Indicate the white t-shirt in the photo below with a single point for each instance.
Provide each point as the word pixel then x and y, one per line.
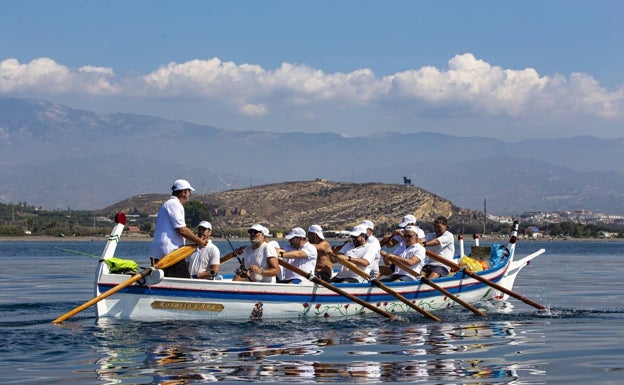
pixel 166 238
pixel 445 249
pixel 203 258
pixel 259 257
pixel 362 251
pixel 408 252
pixel 374 244
pixel 306 264
pixel 276 246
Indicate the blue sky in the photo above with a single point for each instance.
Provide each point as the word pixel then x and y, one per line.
pixel 509 70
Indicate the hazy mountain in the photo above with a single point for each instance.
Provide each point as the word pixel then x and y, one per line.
pixel 58 157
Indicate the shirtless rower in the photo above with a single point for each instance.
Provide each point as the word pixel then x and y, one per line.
pixel 324 265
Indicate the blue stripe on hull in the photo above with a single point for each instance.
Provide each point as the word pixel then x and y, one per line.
pixel 421 291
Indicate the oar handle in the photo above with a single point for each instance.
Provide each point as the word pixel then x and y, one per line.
pixel 379 284
pixel 481 279
pixel 333 288
pixel 232 254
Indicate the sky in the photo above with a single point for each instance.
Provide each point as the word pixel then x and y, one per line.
pixel 500 69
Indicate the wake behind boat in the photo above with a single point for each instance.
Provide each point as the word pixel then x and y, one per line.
pixel 152 297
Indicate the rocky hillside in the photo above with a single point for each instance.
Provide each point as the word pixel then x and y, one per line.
pixel 333 205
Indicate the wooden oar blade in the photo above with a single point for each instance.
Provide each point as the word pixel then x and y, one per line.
pixel 100 297
pixel 175 256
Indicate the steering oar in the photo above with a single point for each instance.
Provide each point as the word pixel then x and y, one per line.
pixel 166 261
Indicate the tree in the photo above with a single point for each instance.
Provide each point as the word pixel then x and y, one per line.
pixel 195 212
pixel 555 229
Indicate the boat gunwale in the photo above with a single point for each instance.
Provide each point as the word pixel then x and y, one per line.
pixel 223 289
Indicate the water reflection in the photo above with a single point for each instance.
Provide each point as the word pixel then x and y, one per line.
pixel 308 352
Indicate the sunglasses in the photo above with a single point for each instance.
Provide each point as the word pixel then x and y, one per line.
pixel 253 232
pixel 409 236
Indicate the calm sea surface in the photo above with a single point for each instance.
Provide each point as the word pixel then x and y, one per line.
pixel 579 341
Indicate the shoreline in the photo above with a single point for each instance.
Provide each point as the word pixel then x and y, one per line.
pixel 140 238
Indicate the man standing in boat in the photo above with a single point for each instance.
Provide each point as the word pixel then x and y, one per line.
pixel 171 230
pixel 442 243
pixel 260 260
pixel 299 253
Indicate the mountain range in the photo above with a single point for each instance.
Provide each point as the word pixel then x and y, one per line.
pixel 57 157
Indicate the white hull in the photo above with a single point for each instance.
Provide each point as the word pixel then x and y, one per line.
pixel 190 299
pixel 193 299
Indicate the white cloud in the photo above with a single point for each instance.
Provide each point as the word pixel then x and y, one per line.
pixel 474 85
pixel 40 74
pixel 97 70
pixel 253 109
pixel 469 86
pixel 44 76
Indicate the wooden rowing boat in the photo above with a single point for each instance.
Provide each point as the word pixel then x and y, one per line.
pixel 157 298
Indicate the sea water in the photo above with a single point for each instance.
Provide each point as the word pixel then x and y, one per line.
pixel 579 340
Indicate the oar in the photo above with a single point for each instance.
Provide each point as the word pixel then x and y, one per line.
pixel 479 278
pixel 167 261
pixel 405 266
pixel 336 290
pixel 351 266
pixel 234 253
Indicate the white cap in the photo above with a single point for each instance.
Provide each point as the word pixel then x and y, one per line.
pixel 296 232
pixel 258 227
pixel 265 231
pixel 417 230
pixel 409 218
pixel 205 225
pixel 181 184
pixel 316 229
pixel 368 224
pixel 357 231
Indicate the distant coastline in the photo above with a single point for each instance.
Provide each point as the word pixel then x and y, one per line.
pixel 44 238
pixel 134 238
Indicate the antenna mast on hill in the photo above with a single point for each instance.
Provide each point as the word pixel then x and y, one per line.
pixel 484 214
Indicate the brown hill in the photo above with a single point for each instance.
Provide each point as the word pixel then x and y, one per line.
pixel 333 205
